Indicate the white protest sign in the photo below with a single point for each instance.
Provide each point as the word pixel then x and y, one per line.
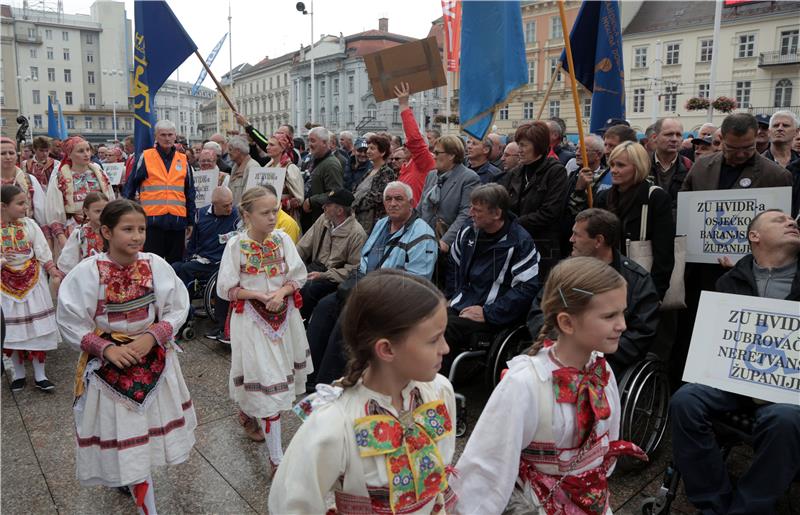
pixel 266 175
pixel 715 222
pixel 204 183
pixel 746 345
pixel 115 172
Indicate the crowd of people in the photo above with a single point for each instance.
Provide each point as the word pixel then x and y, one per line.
pixel 375 267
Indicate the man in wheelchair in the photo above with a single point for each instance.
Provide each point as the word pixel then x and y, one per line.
pixel 596 234
pixel 214 226
pixel 771 270
pixel 493 272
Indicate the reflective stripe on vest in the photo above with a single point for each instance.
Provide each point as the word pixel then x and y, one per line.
pixel 162 192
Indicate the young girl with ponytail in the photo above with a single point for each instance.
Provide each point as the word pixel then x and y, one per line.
pixel 548 437
pixel 382 438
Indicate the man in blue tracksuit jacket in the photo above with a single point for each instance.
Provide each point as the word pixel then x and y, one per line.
pixel 493 273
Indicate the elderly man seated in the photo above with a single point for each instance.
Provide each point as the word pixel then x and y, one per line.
pixel 214 226
pixel 493 272
pixel 596 234
pixel 399 240
pixel 207 160
pixel 772 270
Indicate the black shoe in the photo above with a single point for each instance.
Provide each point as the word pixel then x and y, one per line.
pixel 45 385
pixel 17 385
pixel 221 338
pixel 214 335
pixel 124 490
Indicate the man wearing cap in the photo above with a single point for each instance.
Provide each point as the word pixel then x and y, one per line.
pixel 703 146
pixel 762 137
pixel 331 248
pixel 357 166
pixel 704 133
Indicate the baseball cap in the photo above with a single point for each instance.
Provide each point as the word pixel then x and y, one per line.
pixel 611 122
pixel 762 119
pixel 360 143
pixel 341 197
pixel 703 141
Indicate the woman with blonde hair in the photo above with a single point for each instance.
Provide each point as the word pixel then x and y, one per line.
pixel 630 191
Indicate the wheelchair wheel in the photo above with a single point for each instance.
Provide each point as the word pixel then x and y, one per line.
pixel 187 333
pixel 209 298
pixel 644 395
pixel 461 420
pixel 508 344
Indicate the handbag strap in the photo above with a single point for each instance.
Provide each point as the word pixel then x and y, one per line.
pixel 321 241
pixel 645 211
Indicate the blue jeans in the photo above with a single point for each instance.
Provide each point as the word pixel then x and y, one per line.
pixel 697 455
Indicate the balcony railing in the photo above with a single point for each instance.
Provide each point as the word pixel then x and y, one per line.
pixel 769 110
pixel 778 57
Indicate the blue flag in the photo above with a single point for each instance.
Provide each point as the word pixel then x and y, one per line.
pixel 159 47
pixel 209 60
pixel 492 61
pixel 596 41
pixel 52 122
pixel 62 124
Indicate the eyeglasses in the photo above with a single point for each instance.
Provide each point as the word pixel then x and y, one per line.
pixel 437 152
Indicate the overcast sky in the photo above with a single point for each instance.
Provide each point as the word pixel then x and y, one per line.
pixel 274 27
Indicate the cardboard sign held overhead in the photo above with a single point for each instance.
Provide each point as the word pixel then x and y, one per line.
pixel 418 63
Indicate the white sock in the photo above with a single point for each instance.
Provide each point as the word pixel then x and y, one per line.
pixel 271 426
pixel 149 497
pixel 19 365
pixel 38 370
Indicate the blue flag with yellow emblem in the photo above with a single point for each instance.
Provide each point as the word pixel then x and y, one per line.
pixel 159 47
pixel 492 61
pixel 596 41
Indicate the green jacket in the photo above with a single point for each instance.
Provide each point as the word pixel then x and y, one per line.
pixel 326 177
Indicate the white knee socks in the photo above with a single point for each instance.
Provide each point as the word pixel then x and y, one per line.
pixel 145 497
pixel 38 369
pixel 19 365
pixel 272 437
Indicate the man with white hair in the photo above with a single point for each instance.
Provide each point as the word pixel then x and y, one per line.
pixel 225 161
pixel 207 161
pixel 326 175
pixel 496 154
pixel 782 130
pixel 163 180
pixel 243 164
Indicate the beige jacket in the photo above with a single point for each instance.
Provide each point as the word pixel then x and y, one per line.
pixel 339 250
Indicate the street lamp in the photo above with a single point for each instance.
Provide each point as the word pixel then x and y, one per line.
pixel 301 7
pixel 112 73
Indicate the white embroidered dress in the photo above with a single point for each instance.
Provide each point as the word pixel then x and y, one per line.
pixel 81 243
pixel 490 465
pixel 270 358
pixel 119 441
pixel 324 454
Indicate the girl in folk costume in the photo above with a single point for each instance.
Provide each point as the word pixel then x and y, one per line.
pixel 27 305
pixel 86 240
pixel 381 440
pixel 261 273
pixel 280 150
pixel 76 177
pixel 557 410
pixel 41 165
pixel 28 183
pixel 122 308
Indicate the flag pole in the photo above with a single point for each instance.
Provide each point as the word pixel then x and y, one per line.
pixel 575 100
pixel 547 94
pixel 214 78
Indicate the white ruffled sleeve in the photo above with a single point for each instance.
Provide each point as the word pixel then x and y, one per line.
pixel 489 466
pixel 172 299
pixel 447 446
pixel 40 247
pixel 54 211
pixel 293 184
pixel 38 201
pixel 228 275
pixel 71 253
pixel 77 302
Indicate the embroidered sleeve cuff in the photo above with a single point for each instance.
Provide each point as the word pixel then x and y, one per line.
pixel 294 284
pixel 94 345
pixel 233 293
pixel 161 331
pixel 52 271
pixel 47 231
pixel 57 229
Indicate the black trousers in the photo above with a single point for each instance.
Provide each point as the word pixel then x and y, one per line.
pixel 320 332
pixel 460 332
pixel 313 292
pixel 169 244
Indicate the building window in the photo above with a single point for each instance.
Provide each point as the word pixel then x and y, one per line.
pixel 670 98
pixel 67 75
pixel 101 123
pixel 706 50
pixel 527 111
pixel 2 100
pixel 66 54
pixel 555 28
pixel 92 99
pixel 90 57
pixel 31 32
pixel 37 121
pixel 372 111
pixel 34 73
pixel 743 93
pixel 128 124
pixel 87 122
pixel 638 100
pixel 783 93
pixel 48 34
pixel 555 67
pixel 322 87
pixel 396 115
pixel 673 55
pixel 555 108
pixel 89 39
pixel 532 72
pixel 51 95
pixel 351 80
pixel 90 78
pixel 746 45
pixel 308 91
pixel 70 122
pixel 51 74
pixel 34 53
pixel 50 53
pixel 640 57
pixel 503 114
pixel 350 114
pixel 530 33
pixel 37 97
pixel 335 86
pixel 587 108
pixel 703 90
pixel 65 35
pixel 335 119
pixel 68 98
pixel 789 41
pixel 2 121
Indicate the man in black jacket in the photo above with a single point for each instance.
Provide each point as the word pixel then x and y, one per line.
pixel 595 234
pixel 771 270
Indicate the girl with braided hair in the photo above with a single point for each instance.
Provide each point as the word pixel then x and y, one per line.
pixel 381 439
pixel 548 437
